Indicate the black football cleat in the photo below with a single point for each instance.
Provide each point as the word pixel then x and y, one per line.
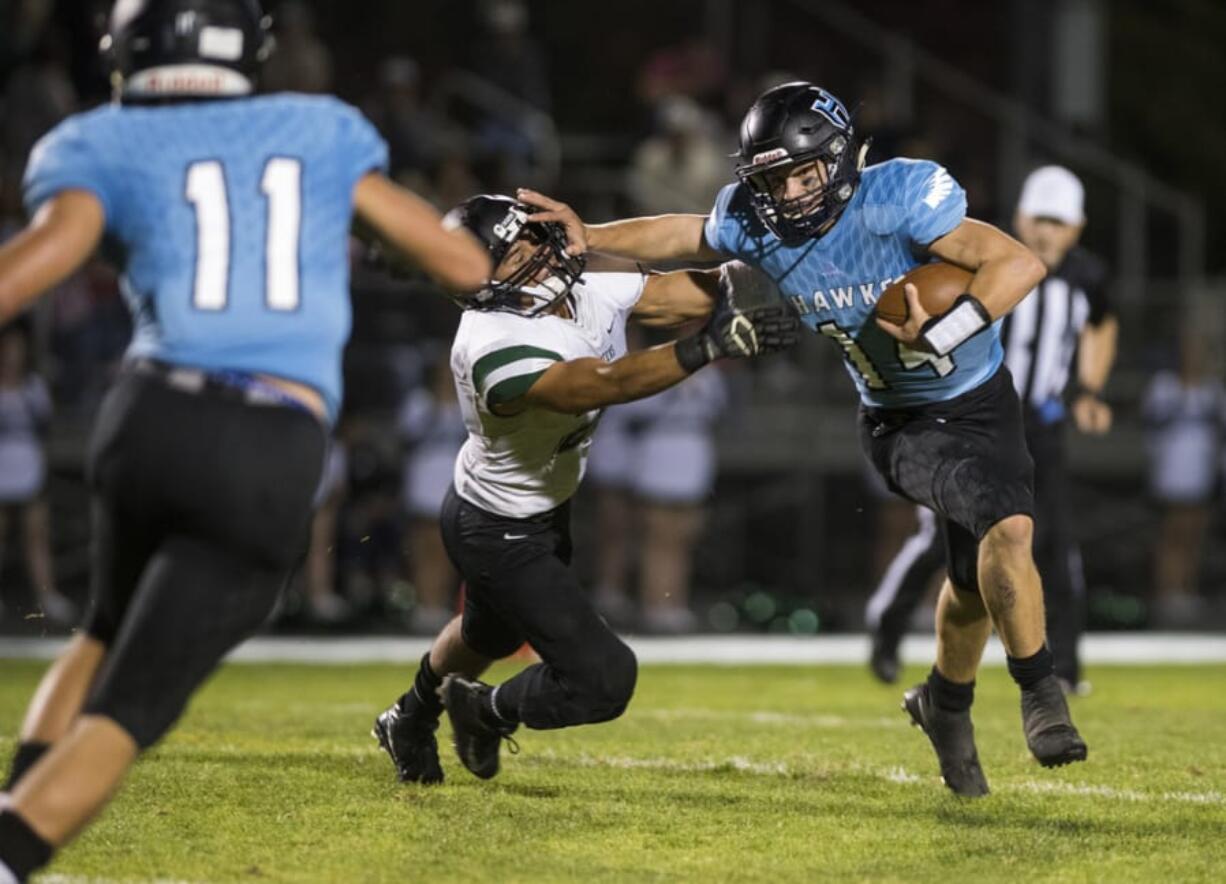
pixel 475 730
pixel 409 740
pixel 953 737
pixel 883 659
pixel 1049 730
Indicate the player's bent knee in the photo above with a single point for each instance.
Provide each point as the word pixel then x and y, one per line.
pixel 618 675
pixel 1012 535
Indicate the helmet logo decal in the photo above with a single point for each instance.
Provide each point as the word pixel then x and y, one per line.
pixel 769 156
pixel 223 44
pixel 185 23
pixel 832 109
pixel 509 227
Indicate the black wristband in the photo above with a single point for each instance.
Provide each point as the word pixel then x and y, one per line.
pixel 1080 389
pixel 691 353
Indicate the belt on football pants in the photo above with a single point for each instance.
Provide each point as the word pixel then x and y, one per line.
pixel 239 386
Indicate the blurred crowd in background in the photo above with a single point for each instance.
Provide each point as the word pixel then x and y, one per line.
pixel 735 501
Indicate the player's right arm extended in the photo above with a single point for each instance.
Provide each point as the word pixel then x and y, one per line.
pixel 411 225
pixel 585 384
pixel 652 239
pixel 65 231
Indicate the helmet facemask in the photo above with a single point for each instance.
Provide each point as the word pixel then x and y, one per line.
pixel 534 285
pixel 813 213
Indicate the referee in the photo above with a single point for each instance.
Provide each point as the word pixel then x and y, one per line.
pixel 1059 346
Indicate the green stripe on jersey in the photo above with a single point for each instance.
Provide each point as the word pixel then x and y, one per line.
pixel 510 389
pixel 498 358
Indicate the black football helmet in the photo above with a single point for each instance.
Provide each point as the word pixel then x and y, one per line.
pixel 789 125
pixel 500 222
pixel 186 48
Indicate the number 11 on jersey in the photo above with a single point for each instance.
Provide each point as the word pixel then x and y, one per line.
pixel 281 186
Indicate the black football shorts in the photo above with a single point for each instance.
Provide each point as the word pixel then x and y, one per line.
pixel 965 459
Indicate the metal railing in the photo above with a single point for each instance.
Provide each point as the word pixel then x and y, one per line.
pixel 532 124
pixel 1020 126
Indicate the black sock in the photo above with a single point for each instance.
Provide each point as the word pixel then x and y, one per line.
pixel 423 699
pixel 27 756
pixel 21 849
pixel 950 695
pixel 1028 671
pixel 499 717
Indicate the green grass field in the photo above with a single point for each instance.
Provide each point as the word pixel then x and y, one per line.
pixel 714 774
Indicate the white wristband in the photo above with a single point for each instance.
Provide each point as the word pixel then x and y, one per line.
pixel 964 320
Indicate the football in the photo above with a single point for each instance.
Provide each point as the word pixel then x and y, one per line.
pixel 939 286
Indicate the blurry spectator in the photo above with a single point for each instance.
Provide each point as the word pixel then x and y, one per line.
pixel 324 603
pixel 661 452
pixel 610 471
pixel 1185 414
pixel 681 168
pixel 507 56
pixel 38 94
pixel 370 558
pixel 21 26
pixel 302 63
pixel 418 139
pixel 431 423
pixel 453 181
pixel 25 409
pixel 507 137
pixel 695 69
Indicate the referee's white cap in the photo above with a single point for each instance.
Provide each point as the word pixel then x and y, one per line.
pixel 1053 192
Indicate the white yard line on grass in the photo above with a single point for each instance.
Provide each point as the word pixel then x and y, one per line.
pixel 731 650
pixel 901 775
pixel 782 719
pixel 77 879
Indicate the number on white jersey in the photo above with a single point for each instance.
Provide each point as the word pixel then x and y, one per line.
pixel 282 187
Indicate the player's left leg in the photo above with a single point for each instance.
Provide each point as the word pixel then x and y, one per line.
pixel 119 559
pixel 195 603
pixel 56 703
pixel 405 730
pixel 941 705
pixel 586 674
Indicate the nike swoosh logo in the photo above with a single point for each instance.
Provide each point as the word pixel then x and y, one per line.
pixel 609 330
pixel 514 536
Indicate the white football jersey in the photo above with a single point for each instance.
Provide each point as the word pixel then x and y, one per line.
pixel 532 462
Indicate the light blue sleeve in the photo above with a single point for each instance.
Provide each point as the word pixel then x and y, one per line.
pixel 363 148
pixel 722 231
pixel 66 158
pixel 936 203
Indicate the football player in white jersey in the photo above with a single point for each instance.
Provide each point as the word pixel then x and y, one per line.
pixel 538 354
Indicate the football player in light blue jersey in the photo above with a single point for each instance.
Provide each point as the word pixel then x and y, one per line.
pixel 939 417
pixel 231 214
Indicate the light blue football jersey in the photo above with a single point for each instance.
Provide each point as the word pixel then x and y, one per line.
pixel 232 219
pixel 899 208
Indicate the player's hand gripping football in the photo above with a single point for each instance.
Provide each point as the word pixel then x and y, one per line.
pixel 911 331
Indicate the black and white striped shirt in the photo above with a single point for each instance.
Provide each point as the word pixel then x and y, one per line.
pixel 1040 335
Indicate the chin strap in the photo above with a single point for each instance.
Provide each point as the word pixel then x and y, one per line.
pixel 965 319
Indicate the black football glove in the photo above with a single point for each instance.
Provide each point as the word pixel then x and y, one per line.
pixel 735 333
